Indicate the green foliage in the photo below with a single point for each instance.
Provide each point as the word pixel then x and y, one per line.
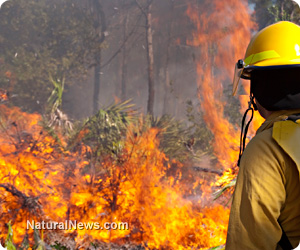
pixel 94 245
pixel 104 131
pixel 173 136
pixel 220 192
pixel 42 38
pixel 59 246
pixel 262 15
pixel 279 14
pixel 9 239
pixel 180 140
pixel 217 248
pixel 39 240
pixel 197 129
pixel 55 99
pixel 271 11
pixel 56 117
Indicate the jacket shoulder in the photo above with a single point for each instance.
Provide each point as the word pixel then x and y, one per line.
pixel 287 135
pixel 264 151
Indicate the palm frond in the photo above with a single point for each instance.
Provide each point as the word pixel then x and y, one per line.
pixel 217 248
pixel 104 130
pixel 218 193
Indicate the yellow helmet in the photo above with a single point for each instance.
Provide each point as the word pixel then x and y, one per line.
pixel 276 46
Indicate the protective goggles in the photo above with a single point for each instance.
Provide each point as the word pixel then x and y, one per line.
pixel 238 71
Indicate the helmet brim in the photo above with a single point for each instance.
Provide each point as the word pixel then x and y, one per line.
pixel 246 74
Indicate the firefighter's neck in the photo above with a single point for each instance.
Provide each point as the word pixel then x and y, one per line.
pixel 262 111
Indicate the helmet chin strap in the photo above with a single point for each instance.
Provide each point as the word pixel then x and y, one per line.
pixel 244 129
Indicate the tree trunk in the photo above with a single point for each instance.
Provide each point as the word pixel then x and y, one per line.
pixel 124 61
pixel 167 85
pixel 97 79
pixel 282 17
pixel 100 27
pixel 150 57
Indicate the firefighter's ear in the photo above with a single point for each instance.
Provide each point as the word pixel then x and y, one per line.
pixel 254 105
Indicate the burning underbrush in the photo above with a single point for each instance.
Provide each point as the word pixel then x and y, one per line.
pixel 52 179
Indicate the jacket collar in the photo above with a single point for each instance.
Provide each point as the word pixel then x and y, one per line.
pixel 275 117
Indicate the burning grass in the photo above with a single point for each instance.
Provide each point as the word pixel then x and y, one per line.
pixel 43 178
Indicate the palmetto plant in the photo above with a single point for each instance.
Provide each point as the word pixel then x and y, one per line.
pixel 104 131
pixel 57 116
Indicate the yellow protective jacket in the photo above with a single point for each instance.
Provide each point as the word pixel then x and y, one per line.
pixel 268 188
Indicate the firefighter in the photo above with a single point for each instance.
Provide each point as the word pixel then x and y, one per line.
pixel 265 211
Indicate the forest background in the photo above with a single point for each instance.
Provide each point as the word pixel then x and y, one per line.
pixel 105 52
pixel 101 50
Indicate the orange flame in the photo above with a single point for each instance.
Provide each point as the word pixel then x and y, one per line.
pixel 222 34
pixel 222 37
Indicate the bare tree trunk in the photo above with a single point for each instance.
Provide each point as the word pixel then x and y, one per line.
pixel 124 61
pixel 97 81
pixel 167 85
pixel 150 58
pixel 99 26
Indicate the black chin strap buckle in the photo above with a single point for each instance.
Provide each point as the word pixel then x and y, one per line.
pixel 251 103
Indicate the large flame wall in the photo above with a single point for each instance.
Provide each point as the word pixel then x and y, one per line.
pixel 222 33
pixel 41 180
